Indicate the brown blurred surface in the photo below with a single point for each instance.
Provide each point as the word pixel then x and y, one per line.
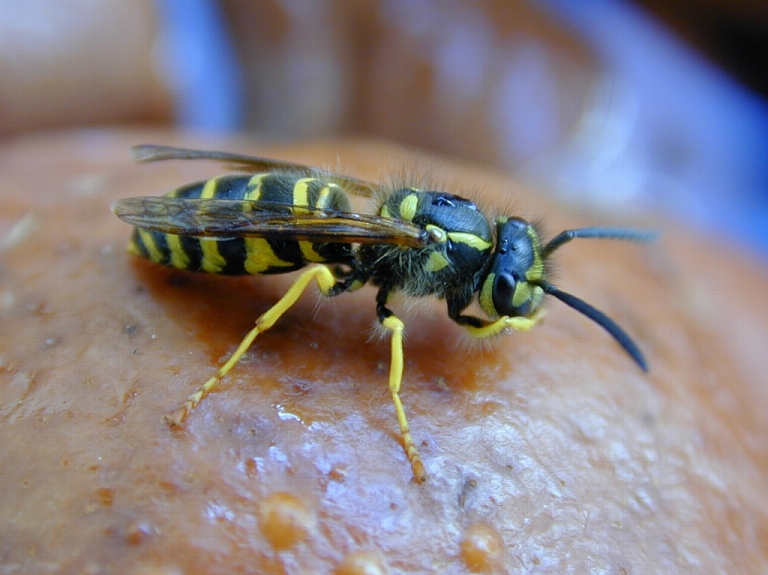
pixel 76 62
pixel 550 452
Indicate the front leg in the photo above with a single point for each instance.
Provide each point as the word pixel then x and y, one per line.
pixel 481 328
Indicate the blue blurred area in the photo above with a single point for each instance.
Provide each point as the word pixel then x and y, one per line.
pixel 200 61
pixel 677 130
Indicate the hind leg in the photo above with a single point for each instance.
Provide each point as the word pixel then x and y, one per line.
pixel 327 283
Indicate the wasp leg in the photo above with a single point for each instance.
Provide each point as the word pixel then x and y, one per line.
pixel 394 325
pixel 485 329
pixel 327 283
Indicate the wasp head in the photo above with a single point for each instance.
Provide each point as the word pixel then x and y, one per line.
pixel 512 285
pixel 516 282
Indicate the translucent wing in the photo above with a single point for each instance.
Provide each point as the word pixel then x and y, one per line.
pixel 246 218
pixel 152 153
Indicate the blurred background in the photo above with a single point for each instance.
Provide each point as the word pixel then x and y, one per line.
pixel 613 105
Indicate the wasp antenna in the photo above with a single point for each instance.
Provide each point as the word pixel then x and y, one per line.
pixel 600 319
pixel 630 235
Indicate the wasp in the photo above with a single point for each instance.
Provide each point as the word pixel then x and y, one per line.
pixel 280 217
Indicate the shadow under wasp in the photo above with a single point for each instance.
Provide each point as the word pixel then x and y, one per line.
pixel 281 216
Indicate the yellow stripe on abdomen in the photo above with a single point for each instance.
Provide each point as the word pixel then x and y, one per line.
pixel 211 260
pixel 179 258
pixel 301 200
pixel 260 257
pixel 153 252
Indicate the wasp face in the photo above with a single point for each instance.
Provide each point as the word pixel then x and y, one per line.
pixel 511 287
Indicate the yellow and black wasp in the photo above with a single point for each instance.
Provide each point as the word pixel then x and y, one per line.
pixel 282 216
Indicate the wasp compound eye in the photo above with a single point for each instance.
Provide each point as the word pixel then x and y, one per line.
pixel 504 286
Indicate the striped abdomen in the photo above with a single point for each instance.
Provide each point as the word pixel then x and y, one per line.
pixel 251 255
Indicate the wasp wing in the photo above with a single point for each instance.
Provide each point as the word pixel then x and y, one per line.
pixel 153 153
pixel 246 218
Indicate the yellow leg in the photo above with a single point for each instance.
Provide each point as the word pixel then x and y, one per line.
pixel 506 322
pixel 325 280
pixel 395 379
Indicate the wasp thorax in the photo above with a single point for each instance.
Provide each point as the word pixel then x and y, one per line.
pixel 512 285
